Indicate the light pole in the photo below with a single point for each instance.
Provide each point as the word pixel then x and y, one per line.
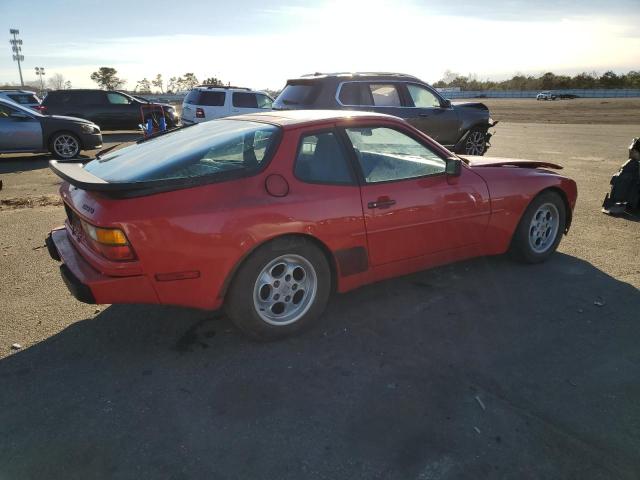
pixel 40 73
pixel 17 50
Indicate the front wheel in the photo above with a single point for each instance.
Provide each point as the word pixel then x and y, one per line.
pixel 476 142
pixel 280 289
pixel 64 145
pixel 540 229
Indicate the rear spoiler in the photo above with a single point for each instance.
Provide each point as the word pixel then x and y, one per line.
pixel 75 173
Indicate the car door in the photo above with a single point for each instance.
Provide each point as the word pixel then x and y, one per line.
pixel 379 97
pixel 249 102
pixel 19 131
pixel 122 112
pixel 411 207
pixel 431 114
pixel 90 105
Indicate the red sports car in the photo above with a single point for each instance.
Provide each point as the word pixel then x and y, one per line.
pixel 267 214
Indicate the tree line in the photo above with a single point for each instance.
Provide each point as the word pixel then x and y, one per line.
pixel 546 81
pixel 107 78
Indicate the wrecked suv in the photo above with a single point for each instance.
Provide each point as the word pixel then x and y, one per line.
pixel 462 127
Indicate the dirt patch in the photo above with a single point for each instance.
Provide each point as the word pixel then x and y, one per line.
pixel 602 111
pixel 30 202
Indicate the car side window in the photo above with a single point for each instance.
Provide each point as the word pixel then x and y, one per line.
pixel 385 154
pixel 211 99
pixel 117 99
pixel 385 95
pixel 355 93
pixel 321 159
pixel 422 98
pixel 5 111
pixel 263 101
pixel 244 100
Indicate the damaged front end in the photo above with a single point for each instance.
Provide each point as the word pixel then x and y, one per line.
pixel 624 196
pixel 477 140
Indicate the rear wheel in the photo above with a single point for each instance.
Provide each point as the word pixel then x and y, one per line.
pixel 280 289
pixel 540 229
pixel 64 145
pixel 476 142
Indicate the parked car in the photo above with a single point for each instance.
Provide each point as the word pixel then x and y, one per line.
pixel 546 96
pixel 263 214
pixel 205 103
pixel 110 110
pixel 23 130
pixel 460 126
pixel 22 97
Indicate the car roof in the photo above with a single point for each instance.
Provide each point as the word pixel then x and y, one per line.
pixel 18 91
pixel 291 118
pixel 358 76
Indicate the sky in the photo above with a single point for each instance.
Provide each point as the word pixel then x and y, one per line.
pixel 260 44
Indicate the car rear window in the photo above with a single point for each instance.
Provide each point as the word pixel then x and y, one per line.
pixel 205 98
pixel 24 98
pixel 295 94
pixel 205 149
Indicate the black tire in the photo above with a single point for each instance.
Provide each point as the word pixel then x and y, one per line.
pixel 244 292
pixel 526 235
pixel 58 149
pixel 475 142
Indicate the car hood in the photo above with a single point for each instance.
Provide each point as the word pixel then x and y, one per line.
pixel 508 162
pixel 475 105
pixel 69 119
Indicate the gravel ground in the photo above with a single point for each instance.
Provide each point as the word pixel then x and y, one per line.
pixel 483 369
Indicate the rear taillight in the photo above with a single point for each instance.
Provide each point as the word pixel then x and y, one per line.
pixel 41 108
pixel 199 113
pixel 111 243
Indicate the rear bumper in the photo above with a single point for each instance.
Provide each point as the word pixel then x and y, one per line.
pixel 90 286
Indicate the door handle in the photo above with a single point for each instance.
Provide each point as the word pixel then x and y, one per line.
pixel 382 202
pixel 424 114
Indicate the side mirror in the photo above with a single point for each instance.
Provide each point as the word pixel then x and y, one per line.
pixel 453 167
pixel 445 103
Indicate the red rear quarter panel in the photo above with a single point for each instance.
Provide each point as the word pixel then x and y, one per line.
pixel 211 228
pixel 511 190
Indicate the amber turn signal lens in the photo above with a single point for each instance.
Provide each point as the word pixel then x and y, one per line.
pixel 105 236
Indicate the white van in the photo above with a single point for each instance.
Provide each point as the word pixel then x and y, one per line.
pixel 205 103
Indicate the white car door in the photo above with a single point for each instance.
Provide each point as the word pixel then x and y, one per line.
pixel 250 102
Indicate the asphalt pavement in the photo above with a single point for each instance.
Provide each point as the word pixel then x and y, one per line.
pixel 482 369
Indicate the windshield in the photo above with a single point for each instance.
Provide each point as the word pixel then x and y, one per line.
pixel 205 149
pixel 23 109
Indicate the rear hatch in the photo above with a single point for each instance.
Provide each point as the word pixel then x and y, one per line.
pixel 207 153
pixel 298 94
pixel 203 105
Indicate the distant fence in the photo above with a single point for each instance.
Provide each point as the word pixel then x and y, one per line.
pixel 582 93
pixel 165 98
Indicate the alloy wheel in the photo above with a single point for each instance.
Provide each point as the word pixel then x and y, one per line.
pixel 66 146
pixel 543 228
pixel 285 290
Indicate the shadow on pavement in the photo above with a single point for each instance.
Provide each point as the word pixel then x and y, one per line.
pixel 482 369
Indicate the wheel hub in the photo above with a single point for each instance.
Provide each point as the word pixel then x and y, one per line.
pixel 285 289
pixel 543 228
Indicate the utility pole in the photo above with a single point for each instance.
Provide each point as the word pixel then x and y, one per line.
pixel 40 73
pixel 17 51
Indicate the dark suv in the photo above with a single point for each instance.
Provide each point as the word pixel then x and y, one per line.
pixel 461 127
pixel 110 110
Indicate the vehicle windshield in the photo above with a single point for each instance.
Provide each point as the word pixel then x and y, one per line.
pixel 208 148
